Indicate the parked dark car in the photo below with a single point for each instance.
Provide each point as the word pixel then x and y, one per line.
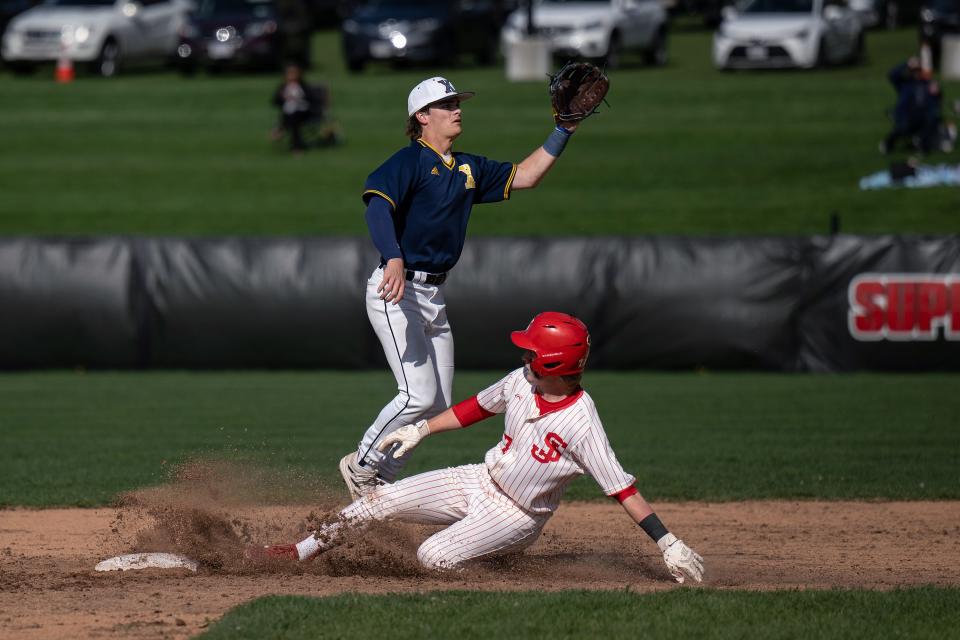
pixel 222 33
pixel 423 30
pixel 329 13
pixel 895 13
pixel 710 11
pixel 887 14
pixel 938 17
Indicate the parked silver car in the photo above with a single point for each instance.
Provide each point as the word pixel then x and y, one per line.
pixel 102 33
pixel 598 29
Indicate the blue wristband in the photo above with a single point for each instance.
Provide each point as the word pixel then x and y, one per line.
pixel 556 141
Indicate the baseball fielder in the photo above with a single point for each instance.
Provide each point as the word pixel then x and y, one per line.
pixel 418 205
pixel 552 435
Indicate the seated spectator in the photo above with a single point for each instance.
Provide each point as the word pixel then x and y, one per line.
pixel 916 114
pixel 294 98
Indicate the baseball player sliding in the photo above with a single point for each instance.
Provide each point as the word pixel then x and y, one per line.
pixel 552 435
pixel 418 205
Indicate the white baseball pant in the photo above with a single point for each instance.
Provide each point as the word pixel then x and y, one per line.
pixel 418 344
pixel 483 520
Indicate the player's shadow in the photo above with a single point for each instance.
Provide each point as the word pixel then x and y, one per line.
pixel 578 566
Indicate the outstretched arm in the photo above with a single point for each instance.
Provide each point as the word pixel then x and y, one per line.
pixel 446 421
pixel 681 560
pixel 535 166
pixel 576 91
pixel 459 415
pixel 636 507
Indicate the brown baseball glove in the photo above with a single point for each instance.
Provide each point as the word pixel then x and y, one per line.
pixel 577 90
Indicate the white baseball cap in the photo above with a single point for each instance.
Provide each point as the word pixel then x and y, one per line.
pixel 433 90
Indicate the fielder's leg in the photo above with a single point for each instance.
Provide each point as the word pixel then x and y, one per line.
pixel 418 345
pixel 440 353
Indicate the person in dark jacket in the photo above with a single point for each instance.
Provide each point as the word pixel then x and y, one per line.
pixel 916 113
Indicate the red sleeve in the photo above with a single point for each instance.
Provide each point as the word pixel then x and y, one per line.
pixel 626 493
pixel 470 411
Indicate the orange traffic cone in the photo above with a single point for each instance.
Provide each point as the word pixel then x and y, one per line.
pixel 65 71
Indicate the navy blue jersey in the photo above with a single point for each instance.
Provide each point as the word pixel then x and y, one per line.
pixel 431 200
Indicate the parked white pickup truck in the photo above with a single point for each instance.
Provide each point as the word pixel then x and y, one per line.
pixel 596 29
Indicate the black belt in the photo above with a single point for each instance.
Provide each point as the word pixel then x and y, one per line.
pixel 432 278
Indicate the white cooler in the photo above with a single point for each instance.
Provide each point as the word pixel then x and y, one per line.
pixel 950 57
pixel 528 59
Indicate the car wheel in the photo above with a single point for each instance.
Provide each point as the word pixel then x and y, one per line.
pixel 657 54
pixel 856 57
pixel 108 62
pixel 487 54
pixel 21 68
pixel 355 64
pixel 821 60
pixel 614 52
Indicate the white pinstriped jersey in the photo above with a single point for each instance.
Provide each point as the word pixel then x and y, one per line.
pixel 540 455
pixel 500 506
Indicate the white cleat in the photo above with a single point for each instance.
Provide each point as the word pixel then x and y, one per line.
pixel 360 480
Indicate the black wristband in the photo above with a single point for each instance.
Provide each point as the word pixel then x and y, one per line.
pixel 654 528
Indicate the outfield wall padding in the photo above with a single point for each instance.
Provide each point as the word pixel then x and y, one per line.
pixel 256 302
pixel 68 303
pixel 770 303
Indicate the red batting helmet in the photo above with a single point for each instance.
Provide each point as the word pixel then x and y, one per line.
pixel 560 342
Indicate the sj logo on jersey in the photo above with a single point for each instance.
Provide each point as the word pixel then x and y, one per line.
pixel 465 169
pixel 555 445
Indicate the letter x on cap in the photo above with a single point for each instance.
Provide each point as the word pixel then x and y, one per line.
pixel 433 90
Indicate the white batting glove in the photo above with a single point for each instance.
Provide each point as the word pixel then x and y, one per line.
pixel 681 560
pixel 408 437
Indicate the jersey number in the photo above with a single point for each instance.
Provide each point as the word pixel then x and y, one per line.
pixel 509 441
pixel 470 184
pixel 554 443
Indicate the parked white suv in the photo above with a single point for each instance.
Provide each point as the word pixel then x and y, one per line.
pixel 788 33
pixel 104 33
pixel 598 29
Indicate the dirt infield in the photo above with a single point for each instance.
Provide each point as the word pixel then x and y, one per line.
pixel 48 587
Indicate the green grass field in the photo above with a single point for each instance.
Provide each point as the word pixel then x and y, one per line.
pixel 75 438
pixel 684 149
pixel 687 613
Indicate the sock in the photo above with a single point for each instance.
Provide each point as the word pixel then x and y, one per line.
pixel 312 545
